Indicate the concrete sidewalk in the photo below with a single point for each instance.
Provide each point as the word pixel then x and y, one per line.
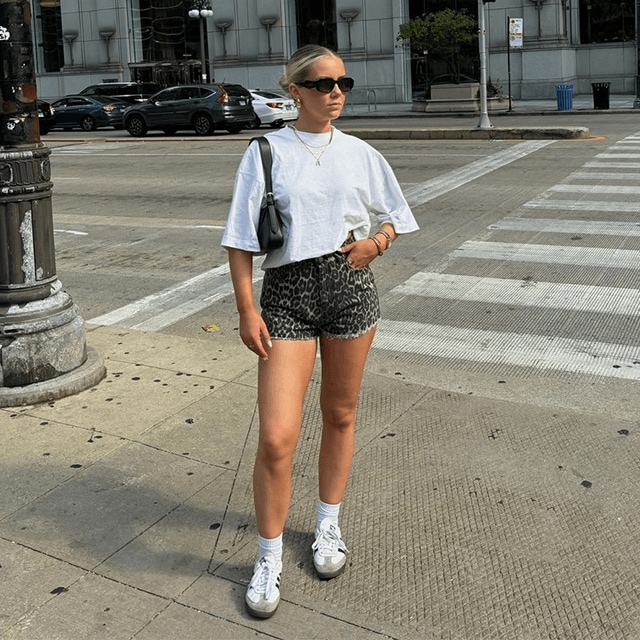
pixel 126 510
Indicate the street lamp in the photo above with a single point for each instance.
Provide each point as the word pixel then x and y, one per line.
pixel 202 10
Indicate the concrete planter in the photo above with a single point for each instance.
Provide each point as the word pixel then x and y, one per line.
pixel 459 98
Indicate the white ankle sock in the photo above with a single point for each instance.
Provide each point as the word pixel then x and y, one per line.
pixel 331 511
pixel 270 544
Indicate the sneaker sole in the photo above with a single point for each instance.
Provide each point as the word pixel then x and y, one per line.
pixel 259 613
pixel 323 574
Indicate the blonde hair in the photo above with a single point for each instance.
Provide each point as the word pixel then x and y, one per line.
pixel 300 63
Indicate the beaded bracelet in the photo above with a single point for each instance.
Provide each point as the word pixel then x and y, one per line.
pixel 378 245
pixel 386 235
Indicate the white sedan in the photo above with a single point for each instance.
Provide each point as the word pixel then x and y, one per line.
pixel 272 109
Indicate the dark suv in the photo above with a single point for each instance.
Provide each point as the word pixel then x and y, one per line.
pixel 201 107
pixel 133 92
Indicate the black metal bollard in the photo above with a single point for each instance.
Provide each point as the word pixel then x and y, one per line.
pixel 43 353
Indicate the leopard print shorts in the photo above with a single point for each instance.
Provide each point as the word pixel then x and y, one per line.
pixel 320 296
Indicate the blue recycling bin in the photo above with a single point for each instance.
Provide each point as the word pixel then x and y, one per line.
pixel 564 93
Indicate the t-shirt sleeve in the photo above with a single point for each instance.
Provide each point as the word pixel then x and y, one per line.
pixel 388 203
pixel 248 192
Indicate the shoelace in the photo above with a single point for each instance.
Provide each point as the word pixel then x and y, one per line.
pixel 265 580
pixel 328 542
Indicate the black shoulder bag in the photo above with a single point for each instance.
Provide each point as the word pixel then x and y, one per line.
pixel 270 223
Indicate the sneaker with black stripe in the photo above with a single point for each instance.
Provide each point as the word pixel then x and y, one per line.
pixel 329 550
pixel 263 593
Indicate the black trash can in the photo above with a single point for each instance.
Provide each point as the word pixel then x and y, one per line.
pixel 600 94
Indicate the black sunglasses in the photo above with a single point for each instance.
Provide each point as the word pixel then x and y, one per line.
pixel 325 85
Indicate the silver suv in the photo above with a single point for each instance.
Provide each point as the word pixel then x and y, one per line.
pixel 200 107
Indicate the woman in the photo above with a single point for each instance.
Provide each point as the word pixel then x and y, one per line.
pixel 318 290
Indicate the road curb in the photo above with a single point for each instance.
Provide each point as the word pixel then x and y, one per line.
pixel 465 133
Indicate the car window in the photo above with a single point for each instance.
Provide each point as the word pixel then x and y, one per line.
pixel 77 102
pixel 168 94
pixel 60 103
pixel 237 91
pixel 189 93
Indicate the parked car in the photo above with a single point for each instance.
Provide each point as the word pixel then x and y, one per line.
pixel 132 92
pixel 201 107
pixel 88 112
pixel 46 117
pixel 272 109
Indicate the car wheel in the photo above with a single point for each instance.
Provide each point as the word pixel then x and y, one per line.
pixel 169 131
pixel 236 128
pixel 88 124
pixel 277 124
pixel 136 126
pixel 254 124
pixel 203 125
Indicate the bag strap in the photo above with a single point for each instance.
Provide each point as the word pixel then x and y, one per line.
pixel 265 154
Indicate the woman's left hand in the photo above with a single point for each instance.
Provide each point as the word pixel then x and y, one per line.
pixel 360 253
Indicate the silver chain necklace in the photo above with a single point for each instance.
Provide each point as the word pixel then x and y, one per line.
pixel 309 149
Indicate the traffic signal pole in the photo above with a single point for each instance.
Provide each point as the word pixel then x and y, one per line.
pixel 43 351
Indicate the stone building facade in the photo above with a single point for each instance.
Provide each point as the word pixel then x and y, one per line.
pixel 81 42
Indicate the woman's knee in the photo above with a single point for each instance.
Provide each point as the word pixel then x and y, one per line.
pixel 341 418
pixel 276 448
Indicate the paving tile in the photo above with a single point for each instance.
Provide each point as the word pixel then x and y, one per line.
pixel 222 359
pixel 169 556
pixel 91 608
pixel 36 455
pixel 99 511
pixel 215 427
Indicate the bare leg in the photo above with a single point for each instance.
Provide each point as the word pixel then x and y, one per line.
pixel 282 384
pixel 343 363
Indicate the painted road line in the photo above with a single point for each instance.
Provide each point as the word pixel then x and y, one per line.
pixel 601 175
pixel 582 227
pixel 549 254
pixel 612 165
pixel 523 293
pixel 581 205
pixel 616 189
pixel 426 191
pixel 540 352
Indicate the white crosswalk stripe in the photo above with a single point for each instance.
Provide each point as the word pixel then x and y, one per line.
pixel 574 353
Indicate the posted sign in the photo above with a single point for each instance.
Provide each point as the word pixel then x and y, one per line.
pixel 515 33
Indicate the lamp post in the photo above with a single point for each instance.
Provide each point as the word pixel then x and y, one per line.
pixel 202 10
pixel 43 349
pixel 484 122
pixel 636 102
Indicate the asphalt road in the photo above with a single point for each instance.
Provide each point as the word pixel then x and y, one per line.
pixel 138 225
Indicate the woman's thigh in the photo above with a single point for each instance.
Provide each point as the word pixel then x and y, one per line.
pixel 343 364
pixel 282 384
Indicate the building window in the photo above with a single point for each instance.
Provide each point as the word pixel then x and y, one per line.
pixel 607 21
pixel 51 35
pixel 317 23
pixel 162 29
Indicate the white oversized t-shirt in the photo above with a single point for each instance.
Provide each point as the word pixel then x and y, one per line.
pixel 319 204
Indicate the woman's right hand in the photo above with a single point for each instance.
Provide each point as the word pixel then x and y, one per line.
pixel 254 333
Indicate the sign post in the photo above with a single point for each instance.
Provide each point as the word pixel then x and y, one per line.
pixel 515 31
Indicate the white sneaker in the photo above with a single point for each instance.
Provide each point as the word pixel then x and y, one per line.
pixel 329 550
pixel 263 593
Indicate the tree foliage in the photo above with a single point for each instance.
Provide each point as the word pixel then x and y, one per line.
pixel 443 35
